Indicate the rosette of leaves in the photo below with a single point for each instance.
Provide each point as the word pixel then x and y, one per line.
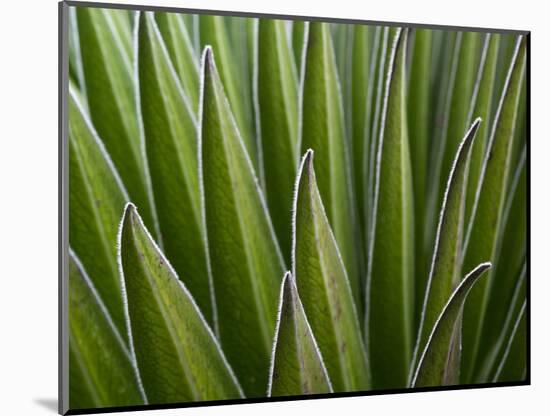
pixel 261 207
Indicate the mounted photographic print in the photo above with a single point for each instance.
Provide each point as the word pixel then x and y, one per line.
pixel 263 208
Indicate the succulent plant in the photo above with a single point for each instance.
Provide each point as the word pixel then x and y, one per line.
pixel 260 207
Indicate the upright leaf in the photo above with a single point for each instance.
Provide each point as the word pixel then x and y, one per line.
pixel 105 46
pixel 481 107
pixel 323 131
pixel 510 259
pixel 461 98
pixel 432 367
pixel 445 269
pixel 489 361
pixel 298 38
pixel 513 366
pixel 214 32
pixel 419 107
pixel 95 195
pixel 171 147
pixel 360 91
pixel 245 258
pixel 102 372
pixel 390 286
pixel 324 287
pixel 296 364
pixel 486 220
pixel 277 98
pixel 178 357
pixel 178 43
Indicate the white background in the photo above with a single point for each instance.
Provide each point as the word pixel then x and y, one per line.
pixel 28 205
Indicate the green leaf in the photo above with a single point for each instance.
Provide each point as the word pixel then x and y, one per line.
pixel 178 356
pixel 504 326
pixel 513 366
pixel 277 98
pixel 245 258
pixel 214 33
pixel 178 43
pixel 461 98
pixel 361 93
pixel 445 269
pixel 105 48
pixel 480 242
pixel 419 106
pixel 432 367
pixel 323 131
pixel 390 289
pixel 102 370
pixel 510 259
pixel 324 286
pixel 481 107
pixel 96 197
pixel 171 147
pixel 298 39
pixel 296 364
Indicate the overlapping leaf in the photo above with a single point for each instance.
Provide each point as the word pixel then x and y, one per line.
pixel 445 269
pixel 247 265
pixel 324 287
pixel 106 50
pixel 102 370
pixel 484 226
pixel 432 369
pixel 277 99
pixel 170 133
pixel 95 195
pixel 390 289
pixel 322 129
pixel 296 364
pixel 178 356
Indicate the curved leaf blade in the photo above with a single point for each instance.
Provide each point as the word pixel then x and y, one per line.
pixel 106 53
pixel 484 226
pixel 170 134
pixel 95 195
pixel 322 130
pixel 277 97
pixel 178 356
pixel 296 364
pixel 432 366
pixel 102 370
pixel 245 258
pixel 445 269
pixel 390 286
pixel 324 287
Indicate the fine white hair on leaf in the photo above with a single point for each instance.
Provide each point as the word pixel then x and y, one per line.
pixel 201 191
pixel 308 157
pixel 461 156
pixel 276 337
pixel 131 209
pixel 125 301
pixel 288 279
pixel 474 274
